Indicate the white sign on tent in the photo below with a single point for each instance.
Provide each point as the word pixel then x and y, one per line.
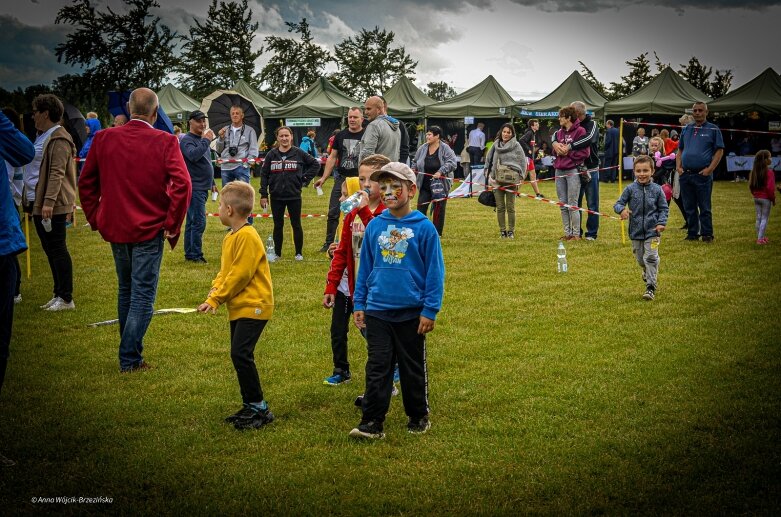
pixel 302 122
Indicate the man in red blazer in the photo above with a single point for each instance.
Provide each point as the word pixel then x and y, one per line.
pixel 134 189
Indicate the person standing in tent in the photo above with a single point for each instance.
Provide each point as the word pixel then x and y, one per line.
pixel 476 144
pixel 612 136
pixel 308 144
pixel 236 143
pixel 529 142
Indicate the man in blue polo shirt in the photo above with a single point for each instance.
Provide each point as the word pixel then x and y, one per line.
pixel 701 147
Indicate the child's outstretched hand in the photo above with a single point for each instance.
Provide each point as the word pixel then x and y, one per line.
pixel 625 214
pixel 426 325
pixel 206 308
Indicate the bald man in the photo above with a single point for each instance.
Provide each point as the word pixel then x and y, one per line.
pixel 382 135
pixel 135 190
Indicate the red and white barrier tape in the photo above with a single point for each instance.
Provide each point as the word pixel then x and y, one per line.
pixel 626 122
pixel 269 216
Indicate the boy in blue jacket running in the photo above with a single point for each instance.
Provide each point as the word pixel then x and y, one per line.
pixel 398 294
pixel 644 204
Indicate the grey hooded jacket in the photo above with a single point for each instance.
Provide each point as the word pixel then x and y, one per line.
pixel 382 136
pixel 648 206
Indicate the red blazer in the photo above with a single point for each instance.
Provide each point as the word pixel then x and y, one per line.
pixel 343 254
pixel 135 184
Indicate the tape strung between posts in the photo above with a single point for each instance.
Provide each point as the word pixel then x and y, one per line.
pixel 157 312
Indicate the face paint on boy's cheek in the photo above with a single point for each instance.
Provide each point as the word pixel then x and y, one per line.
pixel 390 190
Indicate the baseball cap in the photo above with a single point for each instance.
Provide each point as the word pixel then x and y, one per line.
pixel 397 169
pixel 197 115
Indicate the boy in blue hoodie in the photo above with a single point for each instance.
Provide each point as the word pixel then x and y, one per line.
pixel 644 204
pixel 398 294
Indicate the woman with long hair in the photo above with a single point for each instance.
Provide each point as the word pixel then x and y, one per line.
pixel 506 152
pixel 762 183
pixel 286 170
pixel 434 162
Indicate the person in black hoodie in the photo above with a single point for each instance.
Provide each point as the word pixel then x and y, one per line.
pixel 529 141
pixel 286 170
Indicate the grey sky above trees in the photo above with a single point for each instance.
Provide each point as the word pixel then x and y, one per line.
pixel 529 46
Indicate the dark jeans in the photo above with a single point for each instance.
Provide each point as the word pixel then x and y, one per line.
pixel 475 155
pixel 56 250
pixel 138 270
pixel 278 213
pixel 196 224
pixel 696 196
pixel 18 287
pixel 437 212
pixel 7 283
pixel 240 173
pixel 611 174
pixel 387 342
pixel 245 333
pixel 340 326
pixel 591 191
pixel 333 210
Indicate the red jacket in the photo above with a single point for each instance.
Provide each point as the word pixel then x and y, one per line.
pixel 343 255
pixel 135 184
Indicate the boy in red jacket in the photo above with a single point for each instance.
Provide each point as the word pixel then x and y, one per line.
pixel 340 282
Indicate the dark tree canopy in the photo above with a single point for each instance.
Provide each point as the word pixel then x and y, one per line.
pixel 639 75
pixel 439 90
pixel 591 79
pixel 295 64
pixel 369 63
pixel 699 76
pixel 218 52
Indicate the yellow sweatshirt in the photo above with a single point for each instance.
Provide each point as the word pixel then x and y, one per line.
pixel 244 280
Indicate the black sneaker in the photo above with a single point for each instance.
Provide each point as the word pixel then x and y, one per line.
pixel 538 196
pixel 418 425
pixel 707 238
pixel 649 294
pixel 368 430
pixel 510 234
pixel 241 414
pixel 256 421
pixel 358 401
pixel 325 247
pixel 690 238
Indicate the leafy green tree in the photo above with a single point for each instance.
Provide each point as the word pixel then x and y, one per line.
pixel 117 51
pixel 639 75
pixel 721 84
pixel 595 83
pixel 659 65
pixel 699 76
pixel 295 64
pixel 369 64
pixel 439 90
pixel 218 52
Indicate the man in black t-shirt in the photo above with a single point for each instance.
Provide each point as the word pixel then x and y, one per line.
pixel 344 156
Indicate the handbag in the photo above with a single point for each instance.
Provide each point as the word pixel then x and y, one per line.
pixel 487 198
pixel 507 176
pixel 438 190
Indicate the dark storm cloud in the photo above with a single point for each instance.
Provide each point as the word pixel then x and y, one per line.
pixel 27 53
pixel 586 6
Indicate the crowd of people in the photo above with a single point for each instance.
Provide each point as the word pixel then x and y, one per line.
pixel 138 184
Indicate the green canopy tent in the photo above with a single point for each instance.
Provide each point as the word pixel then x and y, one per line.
pixel 258 99
pixel 406 101
pixel 667 94
pixel 321 106
pixel 176 104
pixel 487 102
pixel 761 94
pixel 574 88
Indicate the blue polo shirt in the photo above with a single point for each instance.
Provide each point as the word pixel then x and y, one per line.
pixel 699 144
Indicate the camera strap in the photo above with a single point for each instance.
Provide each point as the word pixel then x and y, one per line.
pixel 230 136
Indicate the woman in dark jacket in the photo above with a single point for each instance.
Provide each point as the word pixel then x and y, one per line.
pixel 434 161
pixel 286 170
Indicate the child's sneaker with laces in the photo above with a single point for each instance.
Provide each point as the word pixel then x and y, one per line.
pixel 649 294
pixel 418 425
pixel 256 421
pixel 337 379
pixel 368 430
pixel 241 414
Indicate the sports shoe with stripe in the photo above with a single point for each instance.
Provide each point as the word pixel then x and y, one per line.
pixel 368 430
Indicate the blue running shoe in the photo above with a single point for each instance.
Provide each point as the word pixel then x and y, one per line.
pixel 337 379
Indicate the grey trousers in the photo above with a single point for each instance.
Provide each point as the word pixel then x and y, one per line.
pixel 647 255
pixel 567 189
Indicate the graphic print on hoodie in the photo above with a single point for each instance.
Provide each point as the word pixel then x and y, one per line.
pixel 393 243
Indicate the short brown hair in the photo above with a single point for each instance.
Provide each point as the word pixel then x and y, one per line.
pixel 311 133
pixel 533 121
pixel 50 103
pixel 569 113
pixel 280 128
pixel 643 158
pixel 240 196
pixel 375 161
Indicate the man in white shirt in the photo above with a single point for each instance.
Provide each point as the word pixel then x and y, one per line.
pixel 476 144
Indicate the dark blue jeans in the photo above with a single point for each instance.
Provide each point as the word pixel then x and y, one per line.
pixel 591 191
pixel 7 285
pixel 196 224
pixel 138 270
pixel 240 173
pixel 696 195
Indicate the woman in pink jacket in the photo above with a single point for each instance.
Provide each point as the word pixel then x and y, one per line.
pixel 567 177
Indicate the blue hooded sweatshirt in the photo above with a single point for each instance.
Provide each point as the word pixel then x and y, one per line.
pixel 94 126
pixel 308 146
pixel 401 266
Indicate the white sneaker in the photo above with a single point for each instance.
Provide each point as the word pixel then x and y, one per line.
pixel 299 257
pixel 17 299
pixel 62 305
pixel 51 302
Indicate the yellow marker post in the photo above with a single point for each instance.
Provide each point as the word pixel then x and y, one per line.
pixel 27 241
pixel 621 172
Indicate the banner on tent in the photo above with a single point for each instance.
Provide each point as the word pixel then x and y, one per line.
pixel 302 122
pixel 545 114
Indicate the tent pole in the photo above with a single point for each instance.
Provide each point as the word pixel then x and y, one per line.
pixel 621 172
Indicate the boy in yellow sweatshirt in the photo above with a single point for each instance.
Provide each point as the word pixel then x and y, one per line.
pixel 244 285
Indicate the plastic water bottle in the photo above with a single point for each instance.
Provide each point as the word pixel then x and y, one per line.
pixel 270 252
pixel 351 202
pixel 561 261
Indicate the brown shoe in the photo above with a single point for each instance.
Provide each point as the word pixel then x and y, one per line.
pixel 140 367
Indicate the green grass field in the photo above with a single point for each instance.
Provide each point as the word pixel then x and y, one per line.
pixel 550 393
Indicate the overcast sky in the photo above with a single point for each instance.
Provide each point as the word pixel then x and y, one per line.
pixel 530 46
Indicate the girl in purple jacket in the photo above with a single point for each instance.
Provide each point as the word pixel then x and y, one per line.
pixel 567 179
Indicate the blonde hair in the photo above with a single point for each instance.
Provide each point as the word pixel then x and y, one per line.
pixel 92 114
pixel 375 161
pixel 659 142
pixel 240 196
